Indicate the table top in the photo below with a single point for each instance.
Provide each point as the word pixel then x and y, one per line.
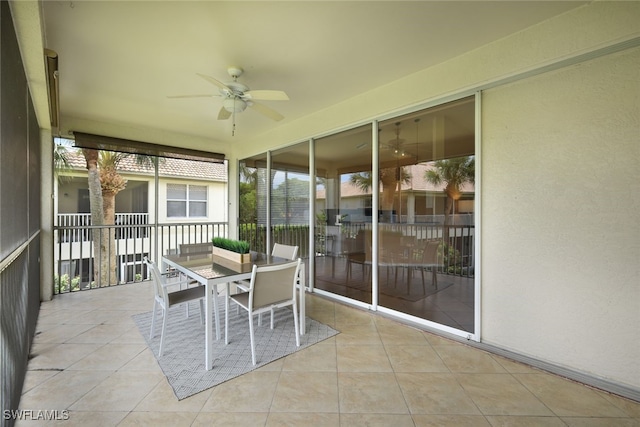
pixel 209 266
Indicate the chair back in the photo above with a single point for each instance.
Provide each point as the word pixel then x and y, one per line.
pixel 273 284
pixel 196 248
pixel 430 252
pixel 157 280
pixel 284 251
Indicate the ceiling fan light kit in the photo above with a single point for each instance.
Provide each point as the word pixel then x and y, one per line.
pixel 236 97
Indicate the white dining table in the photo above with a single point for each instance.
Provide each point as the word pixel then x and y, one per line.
pixel 210 271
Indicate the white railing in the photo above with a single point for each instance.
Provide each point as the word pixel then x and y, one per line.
pixel 135 220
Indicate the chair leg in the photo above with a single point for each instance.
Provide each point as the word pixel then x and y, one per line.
pixel 226 318
pixel 153 317
pixel 253 349
pixel 296 323
pixel 201 312
pixel 272 318
pixel 164 327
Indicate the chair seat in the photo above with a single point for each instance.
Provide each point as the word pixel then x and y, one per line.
pixel 185 295
pixel 241 298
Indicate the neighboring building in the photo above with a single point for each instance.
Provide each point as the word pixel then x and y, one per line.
pixel 189 193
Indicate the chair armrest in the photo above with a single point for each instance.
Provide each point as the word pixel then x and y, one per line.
pixel 181 282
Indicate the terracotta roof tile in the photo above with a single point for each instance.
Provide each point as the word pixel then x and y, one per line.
pixel 168 167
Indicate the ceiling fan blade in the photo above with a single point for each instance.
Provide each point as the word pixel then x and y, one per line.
pixel 266 95
pixel 263 109
pixel 223 114
pixel 191 96
pixel 215 82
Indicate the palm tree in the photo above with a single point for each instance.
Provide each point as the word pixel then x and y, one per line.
pixel 104 184
pixel 391 180
pixel 453 174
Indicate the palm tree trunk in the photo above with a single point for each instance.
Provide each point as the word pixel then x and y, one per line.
pixel 109 261
pixel 96 207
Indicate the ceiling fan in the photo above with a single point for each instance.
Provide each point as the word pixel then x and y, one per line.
pixel 236 97
pixel 396 145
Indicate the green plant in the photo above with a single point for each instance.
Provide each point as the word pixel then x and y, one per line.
pixel 237 246
pixel 61 283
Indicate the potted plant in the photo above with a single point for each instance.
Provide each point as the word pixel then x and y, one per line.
pixel 233 250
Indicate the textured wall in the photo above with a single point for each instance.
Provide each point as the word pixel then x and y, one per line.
pixel 561 199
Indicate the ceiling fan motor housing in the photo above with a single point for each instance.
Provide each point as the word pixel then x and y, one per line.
pixel 234 105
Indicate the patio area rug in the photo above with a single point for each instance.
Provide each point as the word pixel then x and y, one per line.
pixel 182 360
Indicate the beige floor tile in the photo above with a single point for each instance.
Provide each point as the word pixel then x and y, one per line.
pixel 630 407
pixel 600 422
pixel 375 420
pixel 461 358
pixel 450 421
pixel 62 390
pixel 158 419
pixel 415 358
pixel 370 392
pixel 100 334
pixel 59 356
pixel 524 421
pixel 514 367
pixel 359 335
pixel 143 361
pixel 501 394
pixel 323 316
pixel 376 372
pixel 348 316
pixel 315 419
pixel 321 357
pixel 62 333
pixel 435 393
pixel 393 333
pixel 230 419
pixel 252 392
pixel 81 419
pixel 163 399
pixel 35 378
pixel 122 391
pixel 306 392
pixel 567 398
pixel 363 358
pixel 434 339
pixel 109 357
pixel 130 336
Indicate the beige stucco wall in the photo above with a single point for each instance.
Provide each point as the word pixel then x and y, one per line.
pixel 561 236
pixel 559 262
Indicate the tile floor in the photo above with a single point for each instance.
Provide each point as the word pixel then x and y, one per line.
pixel 89 358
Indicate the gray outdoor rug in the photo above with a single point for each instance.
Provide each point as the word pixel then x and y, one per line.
pixel 182 358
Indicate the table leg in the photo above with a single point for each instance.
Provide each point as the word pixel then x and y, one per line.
pixel 303 290
pixel 216 311
pixel 208 349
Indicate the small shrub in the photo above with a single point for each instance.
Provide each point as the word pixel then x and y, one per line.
pixel 237 246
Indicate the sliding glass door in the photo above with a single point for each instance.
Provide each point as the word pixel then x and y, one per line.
pixel 398 236
pixel 344 213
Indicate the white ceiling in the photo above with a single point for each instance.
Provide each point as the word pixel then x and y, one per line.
pixel 119 60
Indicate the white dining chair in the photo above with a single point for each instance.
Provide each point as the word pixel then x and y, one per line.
pixel 270 287
pixel 165 299
pixel 281 251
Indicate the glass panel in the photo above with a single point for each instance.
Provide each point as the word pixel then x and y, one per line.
pixel 197 192
pixel 253 202
pixel 343 213
pixel 426 227
pixel 197 209
pixel 177 191
pixel 290 197
pixel 176 209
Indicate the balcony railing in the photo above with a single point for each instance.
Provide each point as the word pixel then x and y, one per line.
pixel 127 244
pixel 124 247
